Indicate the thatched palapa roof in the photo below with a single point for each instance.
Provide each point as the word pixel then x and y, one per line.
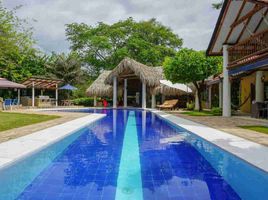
pixel 99 88
pixel 169 89
pixel 150 75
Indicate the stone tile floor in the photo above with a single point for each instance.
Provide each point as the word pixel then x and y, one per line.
pixel 231 125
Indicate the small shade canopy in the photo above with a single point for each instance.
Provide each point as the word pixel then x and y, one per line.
pixel 178 86
pixel 68 87
pixel 42 82
pixel 5 84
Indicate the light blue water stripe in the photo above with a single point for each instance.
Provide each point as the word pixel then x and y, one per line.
pixel 129 184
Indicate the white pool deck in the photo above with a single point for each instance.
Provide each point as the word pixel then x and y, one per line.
pixel 16 149
pixel 19 148
pixel 253 153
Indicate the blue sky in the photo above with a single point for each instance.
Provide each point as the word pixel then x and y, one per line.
pixel 193 20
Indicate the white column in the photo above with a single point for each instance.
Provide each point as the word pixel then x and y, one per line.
pixel 18 96
pixel 125 93
pixel 95 101
pixel 57 95
pixel 143 95
pixel 220 94
pixel 33 94
pixel 153 101
pixel 196 101
pixel 259 87
pixel 209 96
pixel 115 92
pixel 226 106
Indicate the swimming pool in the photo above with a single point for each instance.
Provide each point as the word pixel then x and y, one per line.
pixel 132 154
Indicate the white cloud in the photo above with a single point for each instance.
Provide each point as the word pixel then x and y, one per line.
pixel 192 20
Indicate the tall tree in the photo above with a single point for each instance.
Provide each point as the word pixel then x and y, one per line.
pixel 104 46
pixel 189 66
pixel 18 58
pixel 66 67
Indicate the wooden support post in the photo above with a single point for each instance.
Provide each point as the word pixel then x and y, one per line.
pixel 33 95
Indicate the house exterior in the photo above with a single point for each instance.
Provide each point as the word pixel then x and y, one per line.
pixel 241 37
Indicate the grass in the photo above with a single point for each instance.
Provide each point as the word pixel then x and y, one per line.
pixel 261 129
pixel 15 120
pixel 197 113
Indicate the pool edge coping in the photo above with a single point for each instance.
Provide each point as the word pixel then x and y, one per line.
pixel 19 148
pixel 249 151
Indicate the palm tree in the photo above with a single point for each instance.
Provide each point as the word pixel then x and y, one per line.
pixel 66 67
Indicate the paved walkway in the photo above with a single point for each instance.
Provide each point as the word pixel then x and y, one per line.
pixel 230 125
pixel 25 130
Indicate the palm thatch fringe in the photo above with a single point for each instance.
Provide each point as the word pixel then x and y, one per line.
pixel 99 88
pixel 166 90
pixel 149 75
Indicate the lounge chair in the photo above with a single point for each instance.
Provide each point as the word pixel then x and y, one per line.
pixel 168 104
pixel 7 104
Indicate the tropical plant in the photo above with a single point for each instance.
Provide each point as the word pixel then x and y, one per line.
pixel 66 67
pixel 189 66
pixel 14 39
pixel 18 58
pixel 104 46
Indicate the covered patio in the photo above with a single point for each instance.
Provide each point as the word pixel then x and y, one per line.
pixel 41 84
pixel 6 84
pixel 136 85
pixel 241 36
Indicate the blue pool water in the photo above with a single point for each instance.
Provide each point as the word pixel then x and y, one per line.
pixel 132 154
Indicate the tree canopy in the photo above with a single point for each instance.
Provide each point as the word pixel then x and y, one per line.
pixel 18 58
pixel 190 66
pixel 65 67
pixel 104 46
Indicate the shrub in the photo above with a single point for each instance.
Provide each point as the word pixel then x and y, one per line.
pixel 216 111
pixel 190 106
pixel 86 101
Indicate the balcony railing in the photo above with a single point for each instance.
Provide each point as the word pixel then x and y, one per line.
pixel 249 50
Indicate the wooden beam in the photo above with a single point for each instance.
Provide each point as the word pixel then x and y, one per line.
pixel 237 17
pixel 218 27
pixel 245 26
pixel 257 27
pixel 249 15
pixel 262 3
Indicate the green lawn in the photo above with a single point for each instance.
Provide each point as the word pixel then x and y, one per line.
pixel 15 120
pixel 196 113
pixel 261 129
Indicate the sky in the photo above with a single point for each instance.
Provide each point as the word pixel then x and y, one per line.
pixel 192 20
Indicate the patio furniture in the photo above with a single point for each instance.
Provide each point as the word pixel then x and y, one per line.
pixel 66 103
pixel 42 83
pixel 7 104
pixel 265 110
pixel 259 110
pixel 168 104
